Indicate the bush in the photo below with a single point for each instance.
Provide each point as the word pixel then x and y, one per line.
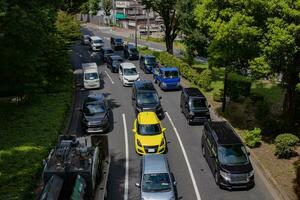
pixel 252 138
pixel 237 85
pixel 285 145
pixel 218 95
pixel 205 79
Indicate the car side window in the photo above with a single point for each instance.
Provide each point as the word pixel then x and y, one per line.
pixel 214 149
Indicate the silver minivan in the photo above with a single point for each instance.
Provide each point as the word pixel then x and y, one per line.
pixel 156 180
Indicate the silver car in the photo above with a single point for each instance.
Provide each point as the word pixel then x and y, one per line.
pixel 157 183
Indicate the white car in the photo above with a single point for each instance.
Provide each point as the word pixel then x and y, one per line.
pixel 128 74
pixel 91 78
pixel 96 43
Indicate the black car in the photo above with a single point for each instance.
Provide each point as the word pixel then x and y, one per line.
pixel 147 63
pixel 130 52
pixel 145 98
pixel 226 156
pixel 113 63
pixel 116 43
pixel 95 114
pixel 105 52
pixel 194 106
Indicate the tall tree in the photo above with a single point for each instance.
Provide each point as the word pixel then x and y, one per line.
pixel 167 9
pixel 107 6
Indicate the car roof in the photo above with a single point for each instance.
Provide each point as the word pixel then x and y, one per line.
pixel 169 69
pixel 193 92
pixel 149 56
pixel 116 57
pixel 116 37
pixel 145 85
pixel 95 97
pixel 128 65
pixel 155 163
pixel 223 133
pixel 147 118
pixel 95 38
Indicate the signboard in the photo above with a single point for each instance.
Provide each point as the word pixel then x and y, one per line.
pixel 131 23
pixel 122 4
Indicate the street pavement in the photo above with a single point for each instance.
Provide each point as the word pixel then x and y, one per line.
pixel 194 178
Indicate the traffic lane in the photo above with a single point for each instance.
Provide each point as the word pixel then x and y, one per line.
pixel 191 137
pixel 115 186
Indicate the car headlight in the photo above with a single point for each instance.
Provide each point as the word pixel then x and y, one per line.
pixel 126 79
pixel 139 143
pixel 250 174
pixel 164 84
pixel 162 143
pixel 226 176
pixel 139 109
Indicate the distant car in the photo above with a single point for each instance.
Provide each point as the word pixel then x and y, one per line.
pixel 131 52
pixel 116 43
pixel 128 74
pixel 113 63
pixel 85 40
pixel 167 78
pixel 91 79
pixel 194 106
pixel 156 179
pixel 95 114
pixel 226 156
pixel 96 43
pixel 149 135
pixel 145 98
pixel 105 52
pixel 148 63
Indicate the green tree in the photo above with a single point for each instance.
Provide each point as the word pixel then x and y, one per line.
pixel 107 6
pixel 167 9
pixel 90 7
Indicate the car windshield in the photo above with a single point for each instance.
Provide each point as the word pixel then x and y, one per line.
pixel 150 61
pixel 133 50
pixel 116 62
pixel 90 76
pixel 147 98
pixel 109 51
pixel 130 72
pixel 98 41
pixel 94 109
pixel 171 74
pixel 149 129
pixel 156 182
pixel 118 40
pixel 232 155
pixel 198 103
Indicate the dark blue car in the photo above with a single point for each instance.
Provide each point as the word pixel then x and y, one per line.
pixel 167 78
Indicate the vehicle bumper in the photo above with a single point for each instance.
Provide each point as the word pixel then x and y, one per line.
pixel 159 112
pixel 128 83
pixel 170 86
pixel 98 129
pixel 94 86
pixel 143 150
pixel 198 120
pixel 96 48
pixel 227 185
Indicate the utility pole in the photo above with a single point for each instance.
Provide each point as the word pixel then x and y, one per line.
pixel 148 24
pixel 135 31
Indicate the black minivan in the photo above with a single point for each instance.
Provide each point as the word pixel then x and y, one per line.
pixel 147 63
pixel 194 106
pixel 226 156
pixel 145 98
pixel 116 43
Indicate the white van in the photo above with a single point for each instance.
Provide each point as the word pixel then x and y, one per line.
pixel 90 76
pixel 96 43
pixel 128 73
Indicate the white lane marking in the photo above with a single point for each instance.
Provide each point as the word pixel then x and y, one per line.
pixel 109 77
pixel 127 159
pixel 186 158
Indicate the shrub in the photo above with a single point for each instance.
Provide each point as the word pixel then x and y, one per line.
pixel 252 138
pixel 285 145
pixel 237 85
pixel 218 95
pixel 205 79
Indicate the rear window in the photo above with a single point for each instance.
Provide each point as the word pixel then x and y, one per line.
pixel 118 40
pixel 171 74
pixel 156 182
pixel 91 76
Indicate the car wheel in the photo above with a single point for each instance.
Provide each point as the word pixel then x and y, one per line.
pixel 203 151
pixel 217 178
pixel 155 81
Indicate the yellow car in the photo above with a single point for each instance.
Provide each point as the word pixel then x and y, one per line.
pixel 149 134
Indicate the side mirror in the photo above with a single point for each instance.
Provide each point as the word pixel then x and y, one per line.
pixel 164 129
pixel 174 183
pixel 209 106
pixel 137 185
pixel 160 97
pixel 248 152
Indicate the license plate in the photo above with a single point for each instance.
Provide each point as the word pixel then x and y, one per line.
pixel 151 150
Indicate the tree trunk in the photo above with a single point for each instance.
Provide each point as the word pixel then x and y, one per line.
pixel 289 103
pixel 169 45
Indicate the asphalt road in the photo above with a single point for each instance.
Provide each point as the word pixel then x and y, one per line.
pixel 194 178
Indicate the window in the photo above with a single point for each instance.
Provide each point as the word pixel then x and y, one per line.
pixel 130 72
pixel 150 61
pixel 90 76
pixel 147 98
pixel 198 103
pixel 94 109
pixel 171 74
pixel 156 182
pixel 232 155
pixel 98 41
pixel 149 129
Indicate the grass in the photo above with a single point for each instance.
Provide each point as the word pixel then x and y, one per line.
pixel 177 44
pixel 27 134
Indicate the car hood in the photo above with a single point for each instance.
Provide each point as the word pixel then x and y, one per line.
pixel 237 169
pixel 132 77
pixel 150 140
pixel 157 195
pixel 95 118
